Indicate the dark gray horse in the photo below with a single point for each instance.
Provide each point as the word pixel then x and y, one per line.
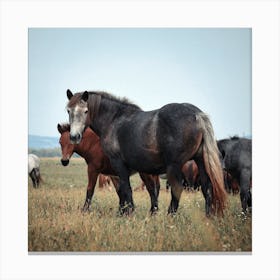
pixel 154 142
pixel 237 161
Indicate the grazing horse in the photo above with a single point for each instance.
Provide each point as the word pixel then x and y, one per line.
pixel 237 161
pixel 154 142
pixel 90 149
pixel 34 170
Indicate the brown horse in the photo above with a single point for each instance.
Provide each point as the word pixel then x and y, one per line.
pixel 190 171
pixel 191 176
pixel 103 181
pixel 151 179
pixel 231 183
pixel 90 149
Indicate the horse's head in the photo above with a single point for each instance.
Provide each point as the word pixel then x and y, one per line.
pixel 77 109
pixel 67 148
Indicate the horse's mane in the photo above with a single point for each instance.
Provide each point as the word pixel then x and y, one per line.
pixel 76 97
pixel 120 100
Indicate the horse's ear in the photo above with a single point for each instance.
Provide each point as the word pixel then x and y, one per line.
pixel 69 94
pixel 59 128
pixel 85 96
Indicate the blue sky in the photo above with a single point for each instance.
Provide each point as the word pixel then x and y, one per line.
pixel 210 68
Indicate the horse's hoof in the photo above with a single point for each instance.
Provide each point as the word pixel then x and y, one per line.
pixel 154 211
pixel 171 212
pixel 126 210
pixel 86 209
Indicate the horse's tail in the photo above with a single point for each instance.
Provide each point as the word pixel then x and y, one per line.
pixel 212 164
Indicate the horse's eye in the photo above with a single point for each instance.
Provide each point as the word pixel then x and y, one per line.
pixel 86 111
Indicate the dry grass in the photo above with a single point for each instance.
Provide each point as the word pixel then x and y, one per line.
pixel 55 222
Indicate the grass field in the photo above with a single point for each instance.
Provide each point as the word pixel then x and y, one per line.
pixel 55 222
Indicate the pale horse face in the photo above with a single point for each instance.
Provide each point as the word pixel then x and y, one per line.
pixel 77 120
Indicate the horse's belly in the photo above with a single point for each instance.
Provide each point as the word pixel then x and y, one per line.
pixel 146 162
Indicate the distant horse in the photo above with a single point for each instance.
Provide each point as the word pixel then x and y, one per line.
pixel 231 183
pixel 190 170
pixel 151 178
pixel 90 149
pixel 34 170
pixel 191 176
pixel 154 142
pixel 103 181
pixel 237 160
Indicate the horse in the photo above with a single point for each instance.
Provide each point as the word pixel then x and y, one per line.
pixel 34 170
pixel 231 184
pixel 154 178
pixel 103 181
pixel 191 176
pixel 154 142
pixel 190 171
pixel 237 160
pixel 90 149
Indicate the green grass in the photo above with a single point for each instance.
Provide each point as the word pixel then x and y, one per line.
pixel 55 222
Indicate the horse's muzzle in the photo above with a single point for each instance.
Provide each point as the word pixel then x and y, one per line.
pixel 65 162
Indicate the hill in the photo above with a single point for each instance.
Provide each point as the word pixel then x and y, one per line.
pixel 42 142
pixel 45 146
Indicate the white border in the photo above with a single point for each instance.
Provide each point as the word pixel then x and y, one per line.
pixel 17 16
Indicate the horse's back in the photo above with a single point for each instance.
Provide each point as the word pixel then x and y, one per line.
pixel 157 135
pixel 179 130
pixel 174 118
pixel 33 162
pixel 173 112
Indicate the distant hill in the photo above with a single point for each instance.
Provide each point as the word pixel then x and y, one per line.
pixel 42 142
pixel 45 146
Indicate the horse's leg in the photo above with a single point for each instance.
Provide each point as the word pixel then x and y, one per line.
pixel 33 178
pixel 37 176
pixel 125 191
pixel 92 178
pixel 245 194
pixel 206 185
pixel 153 189
pixel 175 177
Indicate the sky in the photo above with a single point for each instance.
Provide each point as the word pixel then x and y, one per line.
pixel 210 68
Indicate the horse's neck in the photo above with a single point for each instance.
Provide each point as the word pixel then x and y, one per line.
pixel 84 149
pixel 107 113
